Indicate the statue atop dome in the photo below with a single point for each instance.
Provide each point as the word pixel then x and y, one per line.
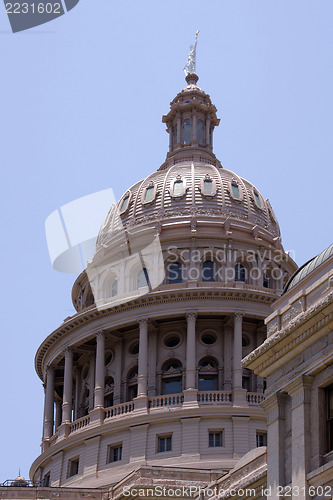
pixel 189 67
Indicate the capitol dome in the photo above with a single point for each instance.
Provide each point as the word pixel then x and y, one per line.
pixel 148 371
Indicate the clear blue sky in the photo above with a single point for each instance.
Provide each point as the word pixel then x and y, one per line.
pixel 81 107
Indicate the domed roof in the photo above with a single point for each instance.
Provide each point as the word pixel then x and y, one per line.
pixel 308 267
pixel 190 190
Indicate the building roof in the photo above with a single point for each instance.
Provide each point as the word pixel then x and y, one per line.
pixel 308 267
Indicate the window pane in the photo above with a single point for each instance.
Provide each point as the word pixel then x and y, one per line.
pixel 178 188
pixel 239 272
pixel 207 383
pixel 208 186
pixel 172 386
pixel 217 439
pixel 175 273
pixel 168 444
pixel 257 199
pixel 162 444
pixel 200 131
pixel 235 190
pixel 208 271
pixel 114 288
pixel 124 203
pixel 187 132
pixel 142 278
pixel 149 193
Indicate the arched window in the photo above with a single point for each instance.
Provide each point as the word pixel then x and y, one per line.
pixel 172 377
pixel 187 132
pixel 200 132
pixel 240 272
pixel 175 273
pixel 208 374
pixel 142 278
pixel 178 188
pixel 208 186
pixel 124 203
pixel 108 394
pixel 235 190
pixel 132 383
pixel 149 194
pixel 114 288
pixel 265 280
pixel 257 198
pixel 208 271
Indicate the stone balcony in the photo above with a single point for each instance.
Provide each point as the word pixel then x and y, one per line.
pixel 189 399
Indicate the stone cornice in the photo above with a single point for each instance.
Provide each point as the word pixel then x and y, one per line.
pixel 302 330
pixel 226 293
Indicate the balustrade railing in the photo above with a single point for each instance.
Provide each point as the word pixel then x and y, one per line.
pixel 214 397
pixel 80 423
pixel 166 400
pixel 254 398
pixel 121 409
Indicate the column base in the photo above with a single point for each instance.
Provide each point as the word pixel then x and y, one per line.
pixel 141 404
pixel 190 398
pixel 97 417
pixel 239 398
pixel 64 430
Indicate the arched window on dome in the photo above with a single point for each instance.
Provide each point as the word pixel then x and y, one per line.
pixel 142 278
pixel 148 193
pixel 114 288
pixel 200 132
pixel 132 384
pixel 108 392
pixel 187 131
pixel 257 198
pixel 240 273
pixel 172 377
pixel 208 374
pixel 235 190
pixel 208 271
pixel 175 273
pixel 125 203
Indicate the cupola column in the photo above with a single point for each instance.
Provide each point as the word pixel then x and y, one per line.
pixel 117 383
pixel 194 127
pixel 237 351
pixel 100 368
pixel 190 350
pixel 143 358
pixel 49 403
pixel 179 126
pixel 68 387
pixel 207 131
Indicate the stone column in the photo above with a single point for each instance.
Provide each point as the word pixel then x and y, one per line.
pixel 170 138
pixel 68 387
pixel 49 403
pixel 207 132
pixel 92 363
pixel 143 358
pixel 237 351
pixel 152 364
pixel 58 414
pixel 77 392
pixel 190 350
pixel 227 357
pixel 274 406
pixel 99 371
pixel 118 369
pixel 194 128
pixel 179 126
pixel 299 391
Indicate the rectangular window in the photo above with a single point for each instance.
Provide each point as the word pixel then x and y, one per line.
pixel 208 186
pixel 73 466
pixel 235 190
pixel 163 443
pixel 261 438
pixel 329 413
pixel 149 194
pixel 215 439
pixel 115 452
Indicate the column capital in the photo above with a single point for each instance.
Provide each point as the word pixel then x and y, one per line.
pixel 191 315
pixel 99 335
pixel 68 351
pixel 238 316
pixel 143 322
